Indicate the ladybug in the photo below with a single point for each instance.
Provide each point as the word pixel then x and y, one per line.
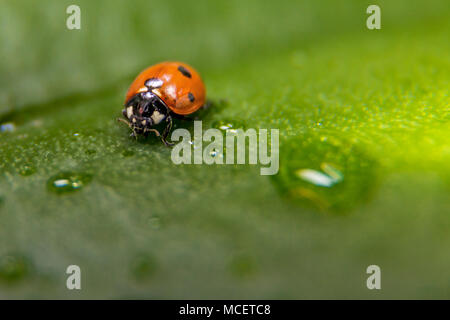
pixel 160 93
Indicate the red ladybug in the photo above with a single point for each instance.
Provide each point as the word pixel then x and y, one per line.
pixel 160 92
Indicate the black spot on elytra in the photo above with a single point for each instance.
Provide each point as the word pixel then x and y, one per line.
pixel 191 97
pixel 185 72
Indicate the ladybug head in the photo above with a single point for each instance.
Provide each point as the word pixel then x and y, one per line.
pixel 144 110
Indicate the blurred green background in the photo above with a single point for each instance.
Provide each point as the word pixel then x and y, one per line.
pixel 370 106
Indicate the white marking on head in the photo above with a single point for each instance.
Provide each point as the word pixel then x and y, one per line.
pixel 157 117
pixel 129 112
pixel 148 95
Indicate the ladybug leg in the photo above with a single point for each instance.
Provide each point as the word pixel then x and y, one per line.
pixel 167 131
pixel 128 123
pixel 152 130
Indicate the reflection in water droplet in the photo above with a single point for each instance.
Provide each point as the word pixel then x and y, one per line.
pixel 26 170
pixel 7 127
pixel 127 153
pixel 330 177
pixel 68 182
pixel 315 177
pixel 329 174
pixel 143 267
pixel 13 268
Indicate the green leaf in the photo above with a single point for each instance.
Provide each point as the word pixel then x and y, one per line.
pixel 364 174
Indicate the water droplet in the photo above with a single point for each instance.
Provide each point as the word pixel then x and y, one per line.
pixel 127 153
pixel 13 268
pixel 143 267
pixel 7 127
pixel 215 153
pixel 228 126
pixel 329 174
pixel 194 146
pixel 26 170
pixel 68 182
pixel 76 134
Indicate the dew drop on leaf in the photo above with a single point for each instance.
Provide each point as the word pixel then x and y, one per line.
pixel 331 175
pixel 66 182
pixel 26 170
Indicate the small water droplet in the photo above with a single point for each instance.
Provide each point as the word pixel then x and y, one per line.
pixel 13 268
pixel 76 134
pixel 228 126
pixel 143 267
pixel 194 146
pixel 215 153
pixel 66 182
pixel 127 153
pixel 7 127
pixel 26 170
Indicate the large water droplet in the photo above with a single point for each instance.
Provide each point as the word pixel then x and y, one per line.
pixel 13 268
pixel 329 174
pixel 66 182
